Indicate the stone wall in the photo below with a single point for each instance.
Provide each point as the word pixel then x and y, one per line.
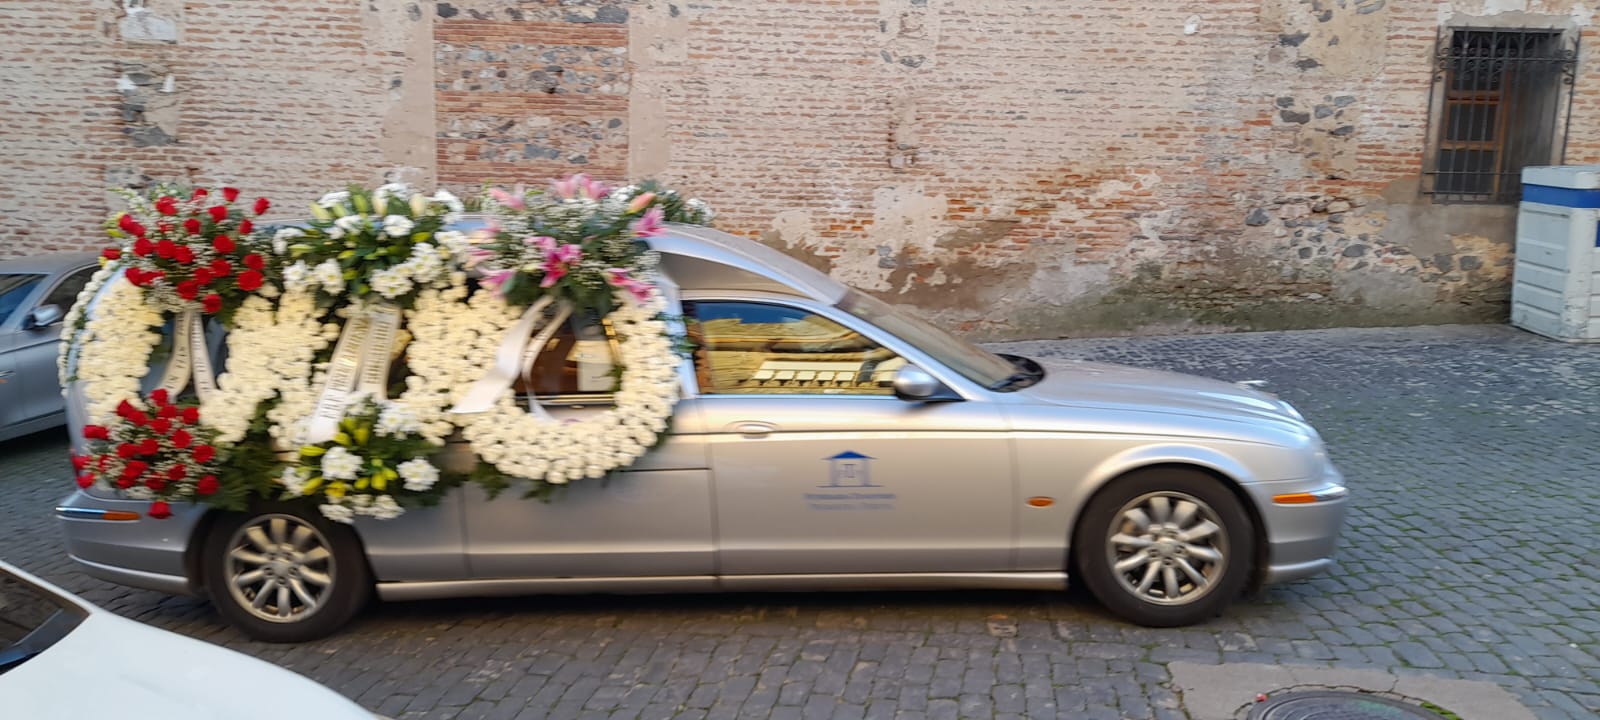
pixel 1091 166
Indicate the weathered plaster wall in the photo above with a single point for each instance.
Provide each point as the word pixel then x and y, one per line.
pixel 1015 169
pixel 288 97
pixel 1095 166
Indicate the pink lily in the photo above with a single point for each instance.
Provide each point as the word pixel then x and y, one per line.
pixel 497 280
pixel 556 262
pixel 649 225
pixel 639 203
pixel 476 256
pixel 595 189
pixel 552 275
pixel 507 199
pixel 580 185
pixel 565 189
pixel 567 254
pixel 639 289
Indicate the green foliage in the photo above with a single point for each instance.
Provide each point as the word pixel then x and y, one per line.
pixel 349 228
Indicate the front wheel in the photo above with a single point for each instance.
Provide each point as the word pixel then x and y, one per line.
pixel 282 576
pixel 1165 547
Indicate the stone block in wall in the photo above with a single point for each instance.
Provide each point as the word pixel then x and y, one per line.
pixel 525 100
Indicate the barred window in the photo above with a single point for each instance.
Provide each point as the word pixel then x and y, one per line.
pixel 1501 100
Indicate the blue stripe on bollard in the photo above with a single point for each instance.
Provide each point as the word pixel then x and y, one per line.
pixel 1565 197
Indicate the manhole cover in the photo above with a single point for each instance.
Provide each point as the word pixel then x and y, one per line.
pixel 1337 705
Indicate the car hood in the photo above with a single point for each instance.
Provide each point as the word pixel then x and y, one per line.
pixel 1102 385
pixel 109 666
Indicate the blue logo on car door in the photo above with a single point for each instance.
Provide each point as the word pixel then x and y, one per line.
pixel 849 473
pixel 849 469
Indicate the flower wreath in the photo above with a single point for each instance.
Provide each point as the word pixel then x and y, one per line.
pixel 274 423
pixel 536 447
pixel 576 246
pixel 110 356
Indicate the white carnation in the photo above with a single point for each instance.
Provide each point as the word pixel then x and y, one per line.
pixel 297 276
pixel 294 480
pixel 281 239
pixel 419 475
pixel 336 197
pixel 330 276
pixel 391 282
pixel 351 223
pixel 340 464
pixel 397 225
pixel 384 507
pixel 337 513
pixel 395 419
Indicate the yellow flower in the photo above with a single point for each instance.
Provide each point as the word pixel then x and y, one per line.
pixel 337 490
pixel 313 451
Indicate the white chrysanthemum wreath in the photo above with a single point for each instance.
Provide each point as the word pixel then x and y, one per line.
pixel 74 320
pixel 451 334
pixel 113 350
pixel 272 349
pixel 526 445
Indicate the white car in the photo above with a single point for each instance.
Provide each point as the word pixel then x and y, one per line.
pixel 64 659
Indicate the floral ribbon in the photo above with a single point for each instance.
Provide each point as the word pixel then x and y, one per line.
pixel 190 359
pixel 516 353
pixel 530 355
pixel 360 367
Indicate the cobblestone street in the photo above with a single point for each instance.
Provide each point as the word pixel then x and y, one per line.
pixel 1473 453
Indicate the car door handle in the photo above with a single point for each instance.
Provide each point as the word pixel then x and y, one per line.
pixel 752 428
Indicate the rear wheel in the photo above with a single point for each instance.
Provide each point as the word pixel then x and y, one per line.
pixel 282 576
pixel 1165 547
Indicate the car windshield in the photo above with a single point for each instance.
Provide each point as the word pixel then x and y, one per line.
pixel 972 362
pixel 14 288
pixel 31 620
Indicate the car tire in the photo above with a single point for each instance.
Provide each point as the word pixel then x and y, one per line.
pixel 280 574
pixel 1147 540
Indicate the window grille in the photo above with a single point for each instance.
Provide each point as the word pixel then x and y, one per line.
pixel 1501 96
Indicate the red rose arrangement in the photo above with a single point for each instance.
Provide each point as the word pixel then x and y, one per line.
pixel 154 450
pixel 195 252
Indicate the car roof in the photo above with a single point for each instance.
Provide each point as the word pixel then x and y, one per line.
pixel 701 258
pixel 47 264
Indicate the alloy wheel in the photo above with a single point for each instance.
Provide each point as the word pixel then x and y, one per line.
pixel 1167 548
pixel 279 568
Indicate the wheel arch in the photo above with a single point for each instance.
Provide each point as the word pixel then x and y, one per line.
pixel 194 550
pixel 1229 472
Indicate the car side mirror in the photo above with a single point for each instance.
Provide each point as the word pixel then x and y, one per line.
pixel 42 316
pixel 913 384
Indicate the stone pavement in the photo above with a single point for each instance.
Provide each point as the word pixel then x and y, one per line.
pixel 1474 458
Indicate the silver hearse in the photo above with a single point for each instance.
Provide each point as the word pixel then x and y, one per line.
pixel 825 441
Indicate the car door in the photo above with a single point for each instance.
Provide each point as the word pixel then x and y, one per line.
pixel 11 410
pixel 819 468
pixel 651 519
pixel 17 293
pixel 37 349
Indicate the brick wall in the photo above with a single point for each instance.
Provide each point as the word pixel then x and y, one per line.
pixel 285 98
pixel 1015 170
